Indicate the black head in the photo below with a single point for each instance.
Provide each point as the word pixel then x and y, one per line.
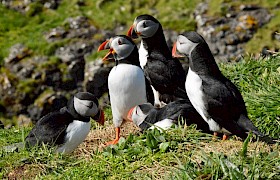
pixel 122 48
pixel 193 45
pixel 144 26
pixel 85 105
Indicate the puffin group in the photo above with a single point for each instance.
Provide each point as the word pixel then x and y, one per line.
pixel 201 96
pixel 149 87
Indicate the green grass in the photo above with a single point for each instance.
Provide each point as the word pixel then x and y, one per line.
pixel 180 153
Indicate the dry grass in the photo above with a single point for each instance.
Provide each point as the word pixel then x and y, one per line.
pixel 99 136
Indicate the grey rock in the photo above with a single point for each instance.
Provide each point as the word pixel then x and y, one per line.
pixel 231 49
pixel 55 34
pixel 45 104
pixel 226 35
pixel 232 39
pixel 78 22
pixel 17 53
pixel 96 77
pixel 16 147
pixel 74 51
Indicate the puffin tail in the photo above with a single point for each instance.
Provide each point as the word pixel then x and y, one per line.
pixel 245 123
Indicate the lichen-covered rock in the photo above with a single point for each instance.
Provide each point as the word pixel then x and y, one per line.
pixel 55 34
pixel 47 102
pixel 74 52
pixel 17 53
pixel 227 34
pixel 96 77
pixel 30 7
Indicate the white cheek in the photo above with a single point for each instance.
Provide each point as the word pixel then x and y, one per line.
pixel 185 46
pixel 124 50
pixel 137 118
pixel 82 109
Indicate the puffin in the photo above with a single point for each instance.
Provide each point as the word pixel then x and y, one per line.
pixel 146 116
pixel 126 81
pixel 165 73
pixel 68 127
pixel 215 97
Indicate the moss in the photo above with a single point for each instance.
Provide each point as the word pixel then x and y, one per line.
pixel 27 86
pixel 216 8
pixel 264 36
pixel 52 62
pixel 43 96
pixel 34 8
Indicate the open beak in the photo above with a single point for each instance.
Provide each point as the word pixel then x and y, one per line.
pixel 132 33
pixel 99 117
pixel 174 51
pixel 110 54
pixel 129 114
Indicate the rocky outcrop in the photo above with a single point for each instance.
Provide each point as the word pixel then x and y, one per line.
pixel 30 7
pixel 228 34
pixel 31 86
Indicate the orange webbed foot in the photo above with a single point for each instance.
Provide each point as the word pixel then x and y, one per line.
pixel 225 137
pixel 115 141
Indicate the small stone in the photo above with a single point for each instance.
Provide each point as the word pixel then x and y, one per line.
pixel 17 53
pixel 56 34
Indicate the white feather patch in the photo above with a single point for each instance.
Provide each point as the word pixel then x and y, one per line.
pixel 194 91
pixel 163 124
pixel 143 55
pixel 127 89
pixel 76 133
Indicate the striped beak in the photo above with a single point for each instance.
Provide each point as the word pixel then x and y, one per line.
pixel 129 114
pixel 99 117
pixel 132 33
pixel 174 51
pixel 106 45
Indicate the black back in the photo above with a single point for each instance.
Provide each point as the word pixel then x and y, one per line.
pixel 50 129
pixel 176 110
pixel 164 72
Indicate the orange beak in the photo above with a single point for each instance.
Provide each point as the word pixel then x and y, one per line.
pixel 174 51
pixel 132 33
pixel 105 45
pixel 129 114
pixel 100 117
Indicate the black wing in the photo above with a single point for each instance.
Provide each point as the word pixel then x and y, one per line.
pixel 184 109
pixel 149 92
pixel 50 129
pixel 224 103
pixel 166 75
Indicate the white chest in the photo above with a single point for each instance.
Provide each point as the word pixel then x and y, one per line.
pixel 163 124
pixel 127 89
pixel 143 55
pixel 76 133
pixel 194 91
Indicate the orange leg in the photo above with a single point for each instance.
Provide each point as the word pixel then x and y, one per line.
pixel 215 135
pixel 116 140
pixel 225 137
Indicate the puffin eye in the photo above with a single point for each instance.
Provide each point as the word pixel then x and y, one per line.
pixel 144 24
pixel 90 105
pixel 120 42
